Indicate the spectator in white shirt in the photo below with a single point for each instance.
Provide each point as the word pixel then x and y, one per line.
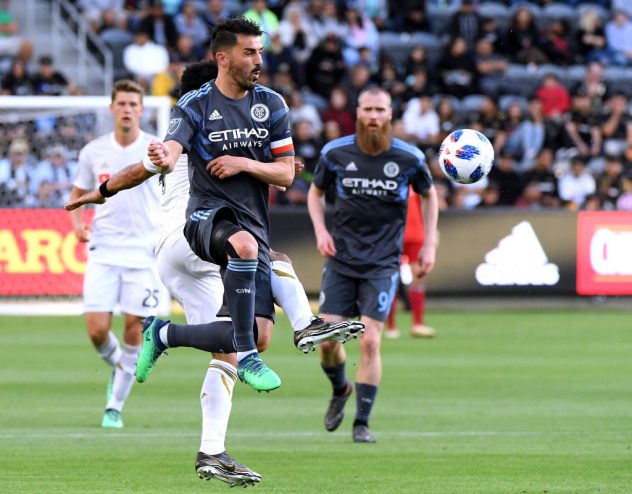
pixel 576 184
pixel 144 58
pixel 421 121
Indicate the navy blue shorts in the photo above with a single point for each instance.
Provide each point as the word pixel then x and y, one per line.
pixel 198 230
pixel 345 296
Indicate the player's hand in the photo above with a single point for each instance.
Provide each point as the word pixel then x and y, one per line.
pixel 425 261
pixel 93 197
pixel 82 232
pixel 226 166
pixel 158 153
pixel 298 167
pixel 325 243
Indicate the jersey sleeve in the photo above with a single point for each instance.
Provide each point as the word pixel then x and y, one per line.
pixel 85 175
pixel 281 143
pixel 420 180
pixel 325 173
pixel 183 125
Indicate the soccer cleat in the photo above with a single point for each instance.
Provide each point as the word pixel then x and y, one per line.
pixel 391 333
pixel 223 467
pixel 362 434
pixel 320 330
pixel 336 410
pixel 112 419
pixel 152 348
pixel 422 331
pixel 252 371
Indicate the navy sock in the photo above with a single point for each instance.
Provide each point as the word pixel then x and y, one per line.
pixel 239 290
pixel 216 337
pixel 337 377
pixel 365 397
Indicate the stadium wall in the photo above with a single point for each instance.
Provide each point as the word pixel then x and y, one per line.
pixel 495 253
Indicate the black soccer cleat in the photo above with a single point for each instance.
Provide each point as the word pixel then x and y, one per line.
pixel 320 330
pixel 336 410
pixel 362 434
pixel 223 467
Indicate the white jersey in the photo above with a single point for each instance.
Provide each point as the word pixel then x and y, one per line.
pixel 125 228
pixel 174 200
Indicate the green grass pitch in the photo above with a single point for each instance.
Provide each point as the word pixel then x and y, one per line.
pixel 501 402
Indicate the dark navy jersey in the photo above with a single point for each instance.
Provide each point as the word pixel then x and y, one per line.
pixel 371 203
pixel 209 125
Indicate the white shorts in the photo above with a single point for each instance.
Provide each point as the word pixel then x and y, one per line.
pixel 136 291
pixel 194 283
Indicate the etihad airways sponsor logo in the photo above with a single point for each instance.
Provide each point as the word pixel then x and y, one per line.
pixel 234 134
pixel 369 186
pixel 519 259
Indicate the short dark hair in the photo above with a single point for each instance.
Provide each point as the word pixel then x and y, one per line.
pixel 127 86
pixel 226 32
pixel 197 74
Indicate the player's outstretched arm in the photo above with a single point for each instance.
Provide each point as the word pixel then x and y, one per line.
pixel 127 178
pixel 430 214
pixel 278 172
pixel 316 208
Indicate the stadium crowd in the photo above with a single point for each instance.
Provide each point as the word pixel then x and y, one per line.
pixel 548 82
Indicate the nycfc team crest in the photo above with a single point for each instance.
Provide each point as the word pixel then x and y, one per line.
pixel 391 169
pixel 259 112
pixel 174 123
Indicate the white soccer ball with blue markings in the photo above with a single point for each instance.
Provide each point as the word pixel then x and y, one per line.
pixel 466 156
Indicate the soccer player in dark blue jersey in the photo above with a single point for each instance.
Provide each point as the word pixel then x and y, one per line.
pixel 372 172
pixel 237 135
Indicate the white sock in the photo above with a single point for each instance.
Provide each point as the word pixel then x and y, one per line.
pixel 243 355
pixel 216 400
pixel 123 377
pixel 162 333
pixel 110 350
pixel 289 294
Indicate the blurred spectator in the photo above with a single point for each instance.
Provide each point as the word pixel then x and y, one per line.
pixel 15 175
pixel 576 184
pixel 359 32
pixel 326 67
pixel 623 5
pixel 144 58
pixel 527 140
pixel 489 196
pixel 508 124
pixel 47 80
pixel 421 121
pixel 266 18
pixel 591 38
pixel 531 197
pixel 457 72
pixel 215 11
pixel 307 148
pixel 593 202
pixel 115 34
pixel 449 119
pixel 168 80
pixel 582 127
pixel 616 126
pixel 358 78
pixel 389 79
pixel 11 43
pixel 185 50
pixel 376 10
pixel 554 97
pixel 610 182
pixel 322 19
pixel 17 81
pixel 619 38
pixel 624 202
pixel 466 23
pixel 296 35
pixel 52 178
pixel 190 23
pixel 489 117
pixel 158 25
pixel 417 84
pixel 93 11
pixel 542 175
pixel 417 59
pixel 557 44
pixel 509 182
pixel 490 66
pixel 300 111
pixel 522 40
pixel 467 196
pixel 409 16
pixel 594 85
pixel 338 111
pixel 331 130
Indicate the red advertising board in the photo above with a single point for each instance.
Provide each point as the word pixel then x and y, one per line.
pixel 39 253
pixel 604 253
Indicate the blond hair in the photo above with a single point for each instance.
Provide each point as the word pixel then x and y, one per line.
pixel 127 86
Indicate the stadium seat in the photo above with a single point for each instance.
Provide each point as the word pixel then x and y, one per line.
pixel 473 102
pixel 315 99
pixel 603 13
pixel 546 68
pixel 495 10
pixel 555 11
pixel 509 99
pixel 535 9
pixel 439 17
pixel 614 74
pixel 576 73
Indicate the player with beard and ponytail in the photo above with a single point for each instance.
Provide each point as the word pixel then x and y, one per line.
pixel 371 171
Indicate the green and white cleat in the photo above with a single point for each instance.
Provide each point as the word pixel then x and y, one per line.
pixel 152 348
pixel 252 371
pixel 112 419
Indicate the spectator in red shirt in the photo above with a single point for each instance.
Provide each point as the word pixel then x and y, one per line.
pixel 337 111
pixel 553 96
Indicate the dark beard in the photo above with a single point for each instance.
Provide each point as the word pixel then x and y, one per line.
pixel 373 143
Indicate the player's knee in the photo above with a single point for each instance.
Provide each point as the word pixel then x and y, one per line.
pixel 370 343
pixel 245 245
pixel 329 347
pixel 98 334
pixel 280 256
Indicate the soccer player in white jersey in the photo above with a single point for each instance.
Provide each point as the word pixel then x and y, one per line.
pixel 198 287
pixel 121 266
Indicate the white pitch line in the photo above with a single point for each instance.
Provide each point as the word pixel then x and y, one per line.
pixel 404 434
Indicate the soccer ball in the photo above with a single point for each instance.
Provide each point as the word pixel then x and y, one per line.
pixel 466 156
